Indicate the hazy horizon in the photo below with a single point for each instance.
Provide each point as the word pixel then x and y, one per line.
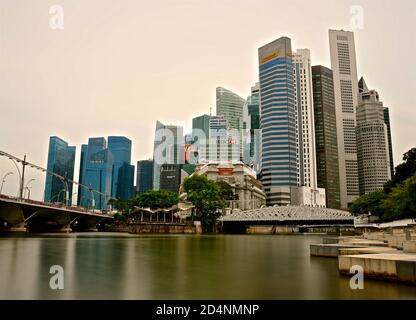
pixel 117 67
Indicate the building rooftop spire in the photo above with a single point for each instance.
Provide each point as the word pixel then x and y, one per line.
pixel 362 86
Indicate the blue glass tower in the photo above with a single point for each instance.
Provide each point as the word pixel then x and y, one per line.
pixel 278 123
pixel 120 148
pixel 61 159
pixel 97 169
pixel 125 187
pixel 144 178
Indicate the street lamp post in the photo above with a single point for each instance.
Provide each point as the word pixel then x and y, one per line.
pixel 27 187
pixel 57 195
pixel 28 192
pixel 24 163
pixel 4 180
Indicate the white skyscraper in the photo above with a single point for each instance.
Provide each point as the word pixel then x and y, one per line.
pixel 372 141
pixel 306 155
pixel 344 67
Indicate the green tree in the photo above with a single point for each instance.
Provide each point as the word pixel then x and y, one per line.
pixel 401 201
pixel 226 191
pixel 156 199
pixel 403 171
pixel 205 195
pixel 369 203
pixel 118 204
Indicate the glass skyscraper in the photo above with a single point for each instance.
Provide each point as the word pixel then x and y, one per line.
pixel 144 179
pixel 97 168
pixel 200 137
pixel 278 123
pixel 252 153
pixel 230 106
pixel 201 123
pixel 61 159
pixel 120 148
pixel 125 182
pixel 326 135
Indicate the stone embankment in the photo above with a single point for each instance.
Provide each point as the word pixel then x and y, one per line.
pixel 388 254
pixel 156 228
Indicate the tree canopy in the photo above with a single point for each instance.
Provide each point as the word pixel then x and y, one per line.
pixel 156 199
pixel 205 195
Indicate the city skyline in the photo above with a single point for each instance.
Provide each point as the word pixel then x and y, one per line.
pixel 141 129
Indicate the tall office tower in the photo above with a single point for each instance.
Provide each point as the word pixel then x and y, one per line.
pixel 306 155
pixel 120 148
pixel 387 122
pixel 230 106
pixel 144 179
pixel 362 87
pixel 326 135
pixel 223 142
pixel 200 138
pixel 252 139
pixel 277 121
pixel 96 174
pixel 372 142
pixel 168 148
pixel 125 185
pixel 61 159
pixel 84 148
pixel 200 123
pixel 344 68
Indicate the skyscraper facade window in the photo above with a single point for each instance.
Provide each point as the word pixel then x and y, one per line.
pixel 326 135
pixel 61 160
pixel 277 122
pixel 344 67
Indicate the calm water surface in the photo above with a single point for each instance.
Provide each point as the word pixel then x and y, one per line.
pixel 122 266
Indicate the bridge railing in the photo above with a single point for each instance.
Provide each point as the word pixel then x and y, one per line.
pixel 47 204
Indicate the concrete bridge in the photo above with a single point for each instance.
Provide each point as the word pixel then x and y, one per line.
pixel 18 214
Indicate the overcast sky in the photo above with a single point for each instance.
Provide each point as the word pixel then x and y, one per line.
pixel 118 66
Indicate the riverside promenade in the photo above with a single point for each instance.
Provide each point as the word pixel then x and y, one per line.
pixel 384 254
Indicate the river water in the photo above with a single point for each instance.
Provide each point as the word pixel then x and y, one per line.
pixel 123 266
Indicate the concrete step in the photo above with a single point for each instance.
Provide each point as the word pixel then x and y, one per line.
pixel 384 266
pixel 329 249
